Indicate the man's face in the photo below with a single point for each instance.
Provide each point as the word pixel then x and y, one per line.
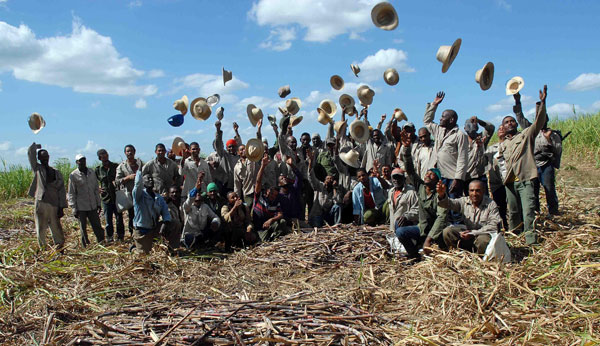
pixel 476 192
pixel 81 163
pixel 316 141
pixel 231 149
pixel 430 179
pixel 44 157
pixel 160 152
pixel 103 157
pixel 148 182
pixel 398 181
pixel 447 119
pixel 130 152
pixel 377 137
pixel 510 125
pixel 328 181
pixel 232 197
pixel 272 194
pixel 501 132
pixel 195 150
pixel 174 194
pixel 362 177
pixel 242 151
pixel 305 140
pixel 198 200
pixel 291 142
pixel 425 137
pixel 331 147
pixel 282 181
pixel 387 172
pixel 212 194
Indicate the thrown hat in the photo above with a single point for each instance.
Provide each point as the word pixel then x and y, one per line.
pixel 397 171
pixel 355 69
pixel 227 76
pixel 79 157
pixel 212 100
pixel 295 120
pixel 447 54
pixel 200 109
pixel 178 146
pixel 485 76
pixel 365 95
pixel 359 130
pixel 36 123
pixel 390 76
pixel 437 172
pixel 176 120
pixel 254 114
pixel 255 149
pixel 514 85
pixel 293 105
pixel 212 187
pixel 399 115
pixel 384 16
pixel 212 157
pixel 182 104
pixel 346 102
pixel 327 110
pixel 340 126
pixel 336 82
pixel 284 91
pixel 220 114
pixel 350 158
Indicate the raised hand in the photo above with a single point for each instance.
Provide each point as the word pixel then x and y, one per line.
pixel 235 127
pixel 544 94
pixel 383 116
pixel 441 190
pixel 474 119
pixel 218 125
pixel 517 98
pixel 265 160
pixel 259 123
pixel 439 97
pixel 405 139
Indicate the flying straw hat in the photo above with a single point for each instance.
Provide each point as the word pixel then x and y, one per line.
pixel 346 102
pixel 255 149
pixel 365 95
pixel 254 114
pixel 447 54
pixel 227 76
pixel 384 16
pixel 399 115
pixel 178 146
pixel 359 130
pixel 327 110
pixel 182 105
pixel 485 76
pixel 284 91
pixel 336 82
pixel 514 85
pixel 340 126
pixel 350 158
pixel 212 100
pixel 355 69
pixel 293 105
pixel 295 120
pixel 390 76
pixel 36 123
pixel 200 109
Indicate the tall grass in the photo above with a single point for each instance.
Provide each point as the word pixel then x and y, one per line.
pixel 584 140
pixel 15 179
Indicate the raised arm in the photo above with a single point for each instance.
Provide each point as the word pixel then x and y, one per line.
pixel 261 171
pixel 517 109
pixel 463 156
pixel 413 176
pixel 488 131
pixel 540 114
pixel 312 179
pixel 383 116
pixel 31 155
pixel 444 201
pixel 430 110
pixel 218 143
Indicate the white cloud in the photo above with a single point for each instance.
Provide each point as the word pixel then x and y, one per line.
pixel 90 147
pixel 95 104
pixel 84 60
pixel 169 138
pixel 141 104
pixel 267 105
pixel 194 132
pixel 562 110
pixel 323 20
pixel 208 84
pixel 398 40
pixel 22 151
pixel 5 146
pixel 507 103
pixel 135 3
pixel 373 66
pixel 595 106
pixel 503 4
pixel 585 81
pixel 279 39
pixel 156 73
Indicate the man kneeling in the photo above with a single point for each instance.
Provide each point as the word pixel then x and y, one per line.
pixel 201 223
pixel 480 216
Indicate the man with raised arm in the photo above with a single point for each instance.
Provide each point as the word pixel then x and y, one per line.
pixel 478 142
pixel 227 158
pixel 191 165
pixel 148 206
pixel 328 198
pixel 245 171
pixel 267 215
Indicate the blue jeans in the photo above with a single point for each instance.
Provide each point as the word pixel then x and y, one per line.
pixel 410 237
pixel 110 209
pixel 333 217
pixel 454 217
pixel 547 180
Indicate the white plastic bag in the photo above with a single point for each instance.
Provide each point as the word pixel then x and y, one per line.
pixel 497 249
pixel 396 246
pixel 124 200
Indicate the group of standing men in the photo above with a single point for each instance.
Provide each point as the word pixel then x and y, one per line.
pixel 438 185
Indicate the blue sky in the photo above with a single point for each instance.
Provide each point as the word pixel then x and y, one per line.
pixel 105 73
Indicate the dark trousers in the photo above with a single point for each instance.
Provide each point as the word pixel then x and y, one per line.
pixel 454 217
pixel 547 179
pixel 499 197
pixel 411 239
pixel 110 209
pixel 92 216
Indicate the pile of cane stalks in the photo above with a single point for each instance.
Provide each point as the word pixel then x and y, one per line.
pixel 333 285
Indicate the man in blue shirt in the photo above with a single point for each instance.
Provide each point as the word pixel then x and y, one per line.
pixel 368 197
pixel 148 207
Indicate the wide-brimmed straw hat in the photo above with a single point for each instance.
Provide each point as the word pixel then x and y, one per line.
pixel 227 76
pixel 336 82
pixel 182 104
pixel 350 158
pixel 326 110
pixel 365 95
pixel 399 115
pixel 514 85
pixel 36 122
pixel 347 103
pixel 390 76
pixel 340 126
pixel 284 91
pixel 293 105
pixel 178 146
pixel 255 149
pixel 447 54
pixel 200 109
pixel 359 130
pixel 355 69
pixel 485 76
pixel 254 114
pixel 384 16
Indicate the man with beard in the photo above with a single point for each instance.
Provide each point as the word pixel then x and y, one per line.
pixel 480 217
pixel 126 176
pixel 245 171
pixel 228 158
pixel 368 197
pixel 451 150
pixel 403 202
pixel 148 206
pixel 164 171
pixel 432 217
pixel 521 170
pixel 106 173
pixel 172 231
pixel 48 190
pixel 328 198
pixel 191 165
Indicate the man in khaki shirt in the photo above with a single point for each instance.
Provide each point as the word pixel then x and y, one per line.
pixel 163 170
pixel 521 170
pixel 245 171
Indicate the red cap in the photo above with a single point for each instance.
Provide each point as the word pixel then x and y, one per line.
pixel 231 142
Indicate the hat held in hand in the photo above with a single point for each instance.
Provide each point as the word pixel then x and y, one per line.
pixel 254 114
pixel 350 158
pixel 514 85
pixel 399 115
pixel 347 103
pixel 36 123
pixel 255 149
pixel 359 131
pixel 384 16
pixel 447 54
pixel 178 146
pixel 293 105
pixel 182 104
pixel 327 110
pixel 485 76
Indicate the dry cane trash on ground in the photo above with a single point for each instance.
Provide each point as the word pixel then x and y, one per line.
pixel 334 285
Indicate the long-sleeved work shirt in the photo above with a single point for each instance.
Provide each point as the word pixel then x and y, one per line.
pixel 48 184
pixel 227 161
pixel 383 153
pixel 324 199
pixel 107 176
pixel 197 217
pixel 125 169
pixel 164 174
pixel 147 209
pixel 190 171
pixel 477 159
pixel 403 203
pixel 244 174
pixel 479 220
pixel 83 194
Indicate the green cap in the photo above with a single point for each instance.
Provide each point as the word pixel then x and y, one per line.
pixel 212 187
